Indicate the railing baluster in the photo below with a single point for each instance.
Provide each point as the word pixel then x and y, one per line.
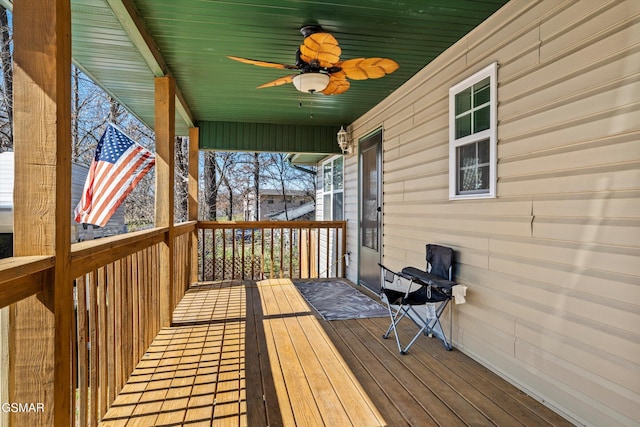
pixel 299 231
pixel 291 253
pixel 214 245
pixel 273 261
pixel 92 311
pixel 224 252
pixel 103 368
pixel 253 254
pixel 324 248
pixel 74 358
pixel 81 310
pixel 111 334
pixel 242 263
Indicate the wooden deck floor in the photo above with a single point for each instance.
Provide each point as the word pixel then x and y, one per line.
pixel 241 354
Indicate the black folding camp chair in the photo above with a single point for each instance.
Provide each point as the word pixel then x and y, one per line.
pixel 403 291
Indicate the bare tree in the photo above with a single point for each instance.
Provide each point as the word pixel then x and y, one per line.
pixel 181 179
pixel 91 110
pixel 211 186
pixel 283 176
pixel 218 170
pixel 6 100
pixel 256 185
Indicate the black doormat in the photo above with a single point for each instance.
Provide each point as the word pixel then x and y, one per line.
pixel 336 300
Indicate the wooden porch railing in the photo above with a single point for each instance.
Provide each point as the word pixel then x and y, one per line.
pixel 117 306
pixel 117 295
pixel 259 250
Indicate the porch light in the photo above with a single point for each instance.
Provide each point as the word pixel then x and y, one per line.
pixel 311 82
pixel 343 141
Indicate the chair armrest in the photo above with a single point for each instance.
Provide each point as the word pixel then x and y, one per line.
pixel 428 278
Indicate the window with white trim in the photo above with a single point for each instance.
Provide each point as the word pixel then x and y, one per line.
pixel 333 189
pixel 473 136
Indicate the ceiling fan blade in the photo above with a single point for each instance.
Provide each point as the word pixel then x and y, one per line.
pixel 368 68
pixel 322 47
pixel 278 82
pixel 263 63
pixel 338 84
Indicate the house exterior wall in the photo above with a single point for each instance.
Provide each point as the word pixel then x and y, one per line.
pixel 553 262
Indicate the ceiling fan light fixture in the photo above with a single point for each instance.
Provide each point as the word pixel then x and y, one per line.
pixel 311 82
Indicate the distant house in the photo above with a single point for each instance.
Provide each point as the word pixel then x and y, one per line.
pixel 79 232
pixel 274 206
pixel 304 212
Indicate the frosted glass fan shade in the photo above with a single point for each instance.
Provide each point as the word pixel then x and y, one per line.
pixel 311 82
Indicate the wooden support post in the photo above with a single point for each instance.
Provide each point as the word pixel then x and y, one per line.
pixel 165 176
pixel 40 326
pixel 194 147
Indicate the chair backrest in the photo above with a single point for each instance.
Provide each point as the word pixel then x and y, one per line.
pixel 440 261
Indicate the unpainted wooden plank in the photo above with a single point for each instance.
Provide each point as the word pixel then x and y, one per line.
pixel 226 411
pixel 346 387
pixel 92 311
pixel 324 394
pixel 268 401
pixel 143 300
pixel 153 378
pixel 230 376
pixel 102 349
pixel 82 354
pixel 137 308
pixel 203 394
pixel 112 309
pixel 292 391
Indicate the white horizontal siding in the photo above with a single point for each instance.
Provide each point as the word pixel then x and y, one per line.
pixel 553 263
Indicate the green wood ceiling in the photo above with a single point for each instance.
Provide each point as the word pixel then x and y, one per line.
pixel 195 36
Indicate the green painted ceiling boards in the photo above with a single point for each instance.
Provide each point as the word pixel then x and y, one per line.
pixel 195 36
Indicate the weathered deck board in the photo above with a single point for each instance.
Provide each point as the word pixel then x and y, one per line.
pixel 247 354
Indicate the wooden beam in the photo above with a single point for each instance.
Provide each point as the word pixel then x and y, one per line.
pixel 127 14
pixel 40 330
pixel 194 141
pixel 165 178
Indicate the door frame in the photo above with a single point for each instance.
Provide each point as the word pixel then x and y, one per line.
pixel 379 160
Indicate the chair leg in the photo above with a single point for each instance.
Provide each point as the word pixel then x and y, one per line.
pixel 395 318
pixel 443 338
pixel 436 322
pixel 406 349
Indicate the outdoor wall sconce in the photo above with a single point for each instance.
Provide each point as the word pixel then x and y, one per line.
pixel 343 141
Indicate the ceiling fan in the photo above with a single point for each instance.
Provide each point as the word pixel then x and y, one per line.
pixel 320 68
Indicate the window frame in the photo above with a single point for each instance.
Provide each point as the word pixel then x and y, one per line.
pixel 331 193
pixel 490 134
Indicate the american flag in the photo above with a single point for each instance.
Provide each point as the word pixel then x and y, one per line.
pixel 119 164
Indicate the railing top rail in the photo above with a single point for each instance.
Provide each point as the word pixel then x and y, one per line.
pixel 270 224
pixel 86 256
pixel 20 277
pixel 17 267
pixel 184 227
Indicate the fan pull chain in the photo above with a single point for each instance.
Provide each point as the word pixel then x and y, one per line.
pixel 310 109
